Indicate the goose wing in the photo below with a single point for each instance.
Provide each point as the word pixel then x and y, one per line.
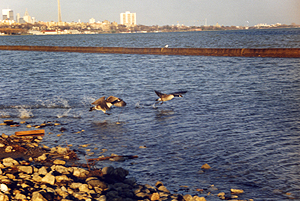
pixel 178 93
pixel 99 101
pixel 116 101
pixel 159 94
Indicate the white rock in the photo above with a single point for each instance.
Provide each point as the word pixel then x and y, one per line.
pixel 3 188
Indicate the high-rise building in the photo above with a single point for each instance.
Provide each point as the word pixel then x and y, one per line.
pixel 7 14
pixel 128 19
pixel 27 17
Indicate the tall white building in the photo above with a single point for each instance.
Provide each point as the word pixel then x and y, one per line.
pixel 27 17
pixel 7 14
pixel 128 19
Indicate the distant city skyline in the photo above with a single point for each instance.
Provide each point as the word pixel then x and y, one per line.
pixel 167 12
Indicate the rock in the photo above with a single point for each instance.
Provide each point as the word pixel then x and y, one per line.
pixel 3 188
pixel 95 182
pixel 236 191
pixel 62 178
pixel 84 188
pixel 36 177
pixel 59 162
pixel 121 173
pixel 79 172
pixel 197 198
pixel 62 169
pixel 61 192
pixel 8 162
pixel 108 170
pixel 205 166
pixel 3 197
pixel 49 178
pixel 26 169
pixel 158 184
pixel 163 189
pixel 37 196
pixel 3 135
pixel 42 171
pixel 8 149
pixel 155 196
pixel 42 157
pixel 75 185
pixel 188 197
pixel 2 145
pixel 20 196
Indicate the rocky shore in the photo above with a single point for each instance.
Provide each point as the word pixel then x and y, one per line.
pixel 38 173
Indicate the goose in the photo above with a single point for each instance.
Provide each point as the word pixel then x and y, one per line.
pixel 167 97
pixel 104 105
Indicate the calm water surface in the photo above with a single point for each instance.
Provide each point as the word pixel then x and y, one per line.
pixel 240 115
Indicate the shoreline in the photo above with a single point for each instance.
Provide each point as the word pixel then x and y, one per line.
pixel 33 172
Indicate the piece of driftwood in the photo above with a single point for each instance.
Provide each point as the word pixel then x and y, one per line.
pixel 29 133
pixel 110 157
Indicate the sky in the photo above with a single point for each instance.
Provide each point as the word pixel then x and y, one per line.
pixel 164 12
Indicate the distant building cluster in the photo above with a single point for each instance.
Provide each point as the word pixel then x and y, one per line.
pixel 8 17
pixel 29 25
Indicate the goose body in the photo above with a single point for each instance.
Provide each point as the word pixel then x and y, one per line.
pixel 105 104
pixel 166 97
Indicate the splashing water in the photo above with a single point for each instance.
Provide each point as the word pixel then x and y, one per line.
pixel 24 113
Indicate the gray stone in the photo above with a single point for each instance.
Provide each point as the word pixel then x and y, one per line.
pixel 108 170
pixel 95 182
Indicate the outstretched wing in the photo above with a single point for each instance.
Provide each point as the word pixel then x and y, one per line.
pixel 159 94
pixel 116 101
pixel 178 93
pixel 99 101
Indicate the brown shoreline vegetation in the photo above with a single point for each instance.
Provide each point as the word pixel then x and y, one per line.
pixel 29 171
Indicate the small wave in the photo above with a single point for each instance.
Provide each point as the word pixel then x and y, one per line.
pixel 4 115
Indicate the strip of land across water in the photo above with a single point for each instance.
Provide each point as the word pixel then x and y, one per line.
pixel 229 52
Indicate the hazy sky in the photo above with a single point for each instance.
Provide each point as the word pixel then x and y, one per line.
pixel 164 12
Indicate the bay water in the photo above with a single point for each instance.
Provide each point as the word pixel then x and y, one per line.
pixel 239 115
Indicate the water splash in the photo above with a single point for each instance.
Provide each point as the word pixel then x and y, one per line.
pixel 65 114
pixel 4 114
pixel 24 112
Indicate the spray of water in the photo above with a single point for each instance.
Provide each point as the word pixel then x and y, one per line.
pixel 24 112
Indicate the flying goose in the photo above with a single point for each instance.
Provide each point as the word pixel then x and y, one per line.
pixel 166 97
pixel 104 105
